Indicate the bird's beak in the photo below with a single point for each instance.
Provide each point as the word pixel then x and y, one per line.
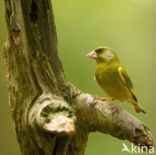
pixel 92 55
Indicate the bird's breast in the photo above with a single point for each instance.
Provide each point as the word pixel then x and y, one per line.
pixel 109 80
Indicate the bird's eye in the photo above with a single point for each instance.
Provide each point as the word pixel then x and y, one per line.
pixel 99 50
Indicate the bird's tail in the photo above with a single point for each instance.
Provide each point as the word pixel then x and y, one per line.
pixel 138 108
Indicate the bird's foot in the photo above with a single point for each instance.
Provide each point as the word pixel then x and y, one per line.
pixel 103 99
pixel 116 109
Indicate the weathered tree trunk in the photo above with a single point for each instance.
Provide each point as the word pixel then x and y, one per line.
pixel 52 116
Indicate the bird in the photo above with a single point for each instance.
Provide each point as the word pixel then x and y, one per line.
pixel 113 78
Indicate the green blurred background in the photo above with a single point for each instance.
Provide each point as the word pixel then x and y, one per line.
pixel 128 26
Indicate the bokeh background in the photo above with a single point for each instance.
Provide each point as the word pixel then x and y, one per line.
pixel 128 26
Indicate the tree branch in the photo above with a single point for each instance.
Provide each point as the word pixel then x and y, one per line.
pixel 102 117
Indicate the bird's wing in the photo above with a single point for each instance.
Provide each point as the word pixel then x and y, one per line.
pixel 126 81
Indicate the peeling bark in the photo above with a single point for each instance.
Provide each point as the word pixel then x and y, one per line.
pixel 51 115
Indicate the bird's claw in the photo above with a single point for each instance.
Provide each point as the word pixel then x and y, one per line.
pixel 116 109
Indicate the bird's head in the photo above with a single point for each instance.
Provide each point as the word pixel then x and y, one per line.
pixel 103 54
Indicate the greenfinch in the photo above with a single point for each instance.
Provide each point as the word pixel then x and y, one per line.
pixel 113 78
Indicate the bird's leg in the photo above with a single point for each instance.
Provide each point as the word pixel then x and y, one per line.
pixel 103 99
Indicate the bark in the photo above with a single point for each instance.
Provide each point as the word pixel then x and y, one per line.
pixel 52 116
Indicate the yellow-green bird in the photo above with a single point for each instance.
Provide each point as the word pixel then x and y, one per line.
pixel 112 77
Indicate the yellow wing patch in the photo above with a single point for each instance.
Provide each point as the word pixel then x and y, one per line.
pixel 126 81
pixel 120 73
pixel 125 78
